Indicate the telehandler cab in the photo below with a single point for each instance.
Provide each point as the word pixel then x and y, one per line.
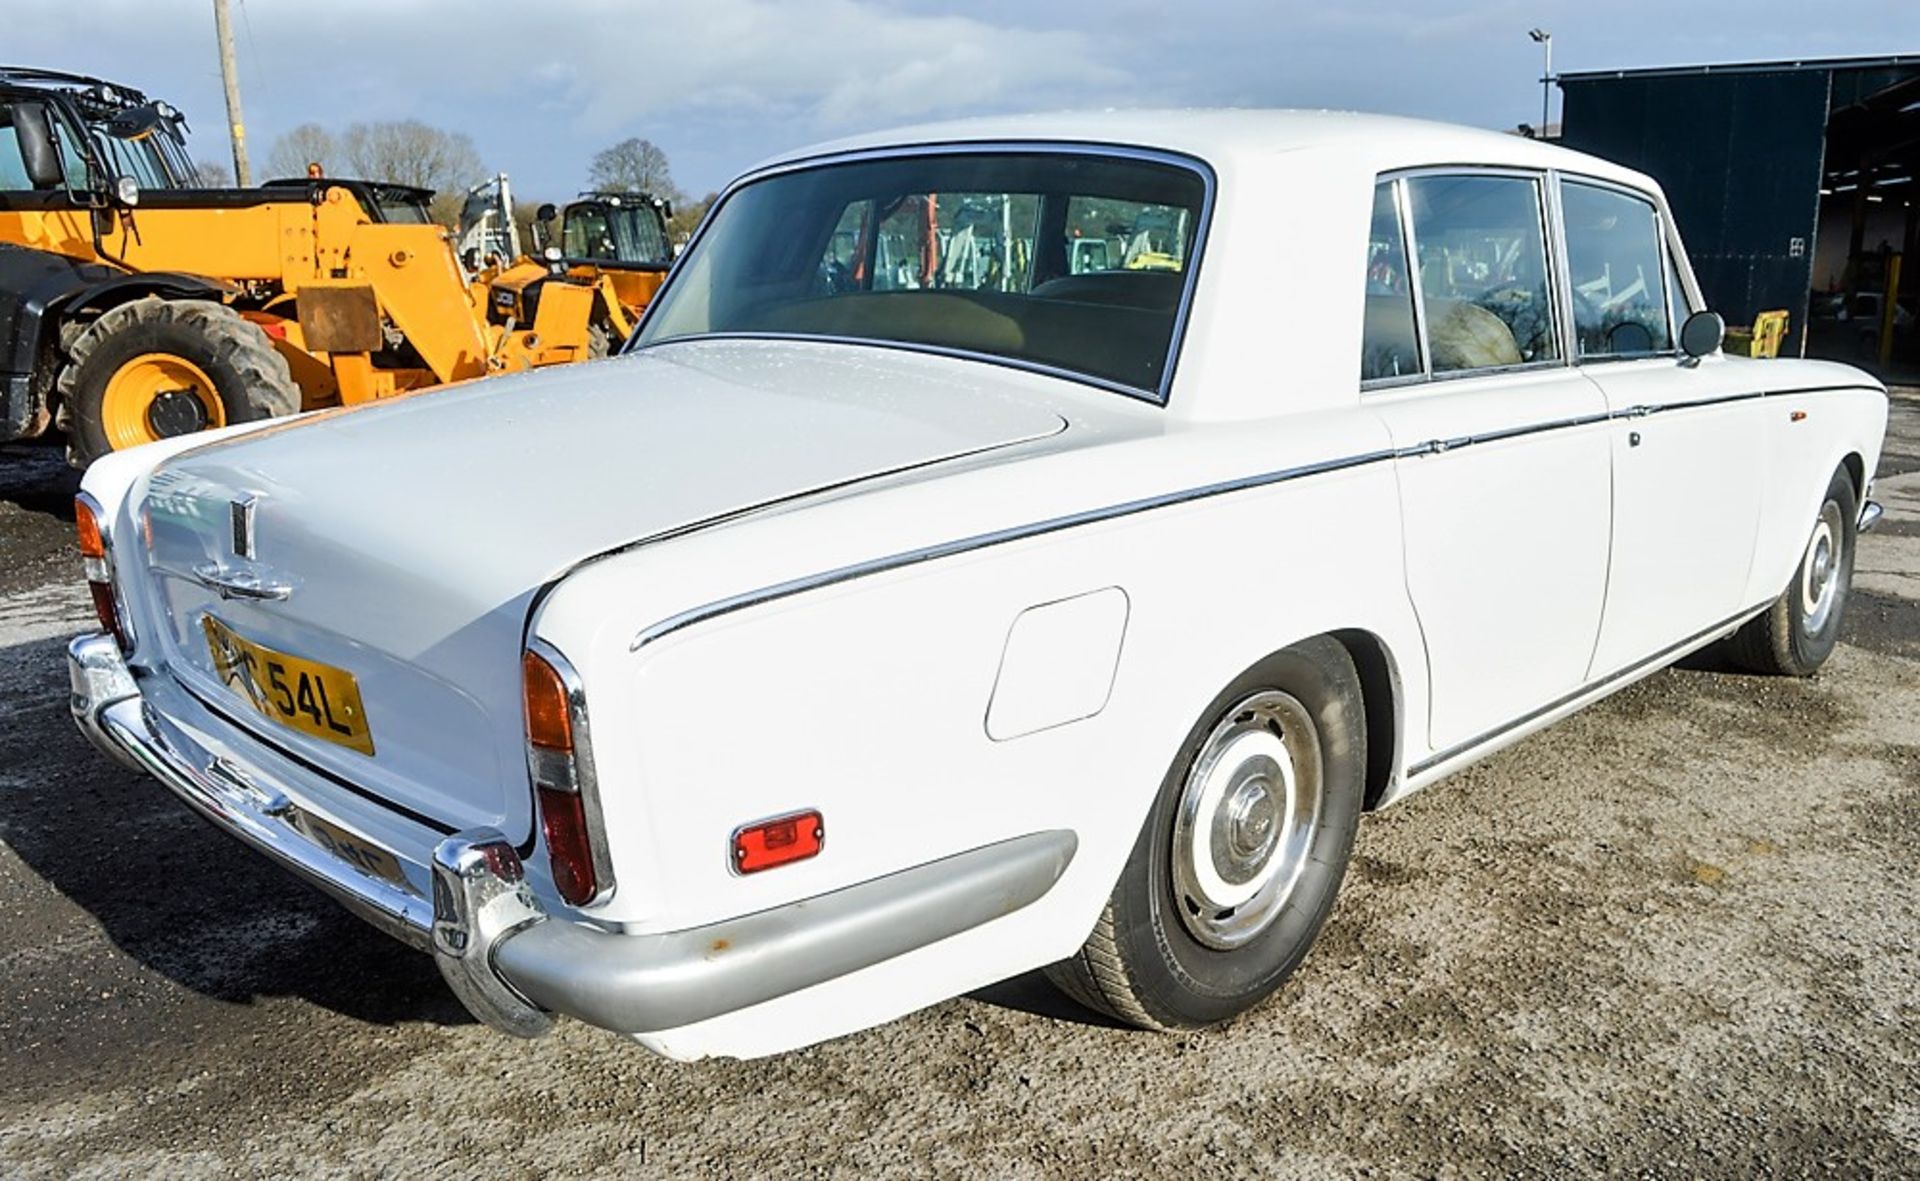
pixel 136 304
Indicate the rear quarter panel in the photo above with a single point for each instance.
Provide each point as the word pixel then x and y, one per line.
pixel 869 699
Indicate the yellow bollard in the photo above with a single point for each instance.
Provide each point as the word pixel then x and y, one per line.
pixel 1887 310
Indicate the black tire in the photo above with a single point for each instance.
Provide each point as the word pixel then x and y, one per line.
pixel 1790 638
pixel 1146 963
pixel 249 378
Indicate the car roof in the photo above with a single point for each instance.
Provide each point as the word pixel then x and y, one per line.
pixel 1226 137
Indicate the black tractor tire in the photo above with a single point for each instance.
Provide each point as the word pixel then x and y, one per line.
pixel 1146 963
pixel 1794 636
pixel 250 380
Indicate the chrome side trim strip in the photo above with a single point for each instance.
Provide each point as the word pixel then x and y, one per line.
pixel 794 586
pixel 1651 663
pixel 644 983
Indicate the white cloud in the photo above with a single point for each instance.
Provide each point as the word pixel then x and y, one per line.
pixel 833 63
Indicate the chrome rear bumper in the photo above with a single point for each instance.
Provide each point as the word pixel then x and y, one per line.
pixel 512 963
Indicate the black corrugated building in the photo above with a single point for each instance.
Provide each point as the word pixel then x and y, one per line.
pixel 1789 179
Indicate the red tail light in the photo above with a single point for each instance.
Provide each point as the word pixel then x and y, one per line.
pixel 93 554
pixel 561 766
pixel 563 821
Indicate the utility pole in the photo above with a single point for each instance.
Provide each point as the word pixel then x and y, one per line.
pixel 1544 40
pixel 223 29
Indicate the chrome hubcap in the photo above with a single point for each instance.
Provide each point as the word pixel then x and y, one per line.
pixel 1246 819
pixel 1820 571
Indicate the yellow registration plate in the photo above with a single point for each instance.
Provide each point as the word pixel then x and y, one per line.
pixel 313 698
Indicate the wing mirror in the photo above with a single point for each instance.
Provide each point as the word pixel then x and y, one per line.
pixel 34 131
pixel 546 213
pixel 1702 334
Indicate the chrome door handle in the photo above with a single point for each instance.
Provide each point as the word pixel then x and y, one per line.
pixel 239 584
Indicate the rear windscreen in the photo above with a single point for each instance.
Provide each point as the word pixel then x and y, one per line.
pixel 1073 261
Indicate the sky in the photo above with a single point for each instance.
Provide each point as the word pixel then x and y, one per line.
pixel 722 84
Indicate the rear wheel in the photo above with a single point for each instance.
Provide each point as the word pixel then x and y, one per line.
pixel 1795 635
pixel 155 368
pixel 1237 866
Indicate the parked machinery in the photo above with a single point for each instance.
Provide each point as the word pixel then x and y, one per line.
pixel 136 304
pixel 616 239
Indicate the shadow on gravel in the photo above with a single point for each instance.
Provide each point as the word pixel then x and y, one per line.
pixel 1031 993
pixel 168 889
pixel 36 477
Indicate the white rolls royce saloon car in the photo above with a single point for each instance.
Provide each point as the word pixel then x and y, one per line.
pixel 1021 543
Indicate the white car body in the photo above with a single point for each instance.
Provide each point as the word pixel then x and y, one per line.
pixel 948 602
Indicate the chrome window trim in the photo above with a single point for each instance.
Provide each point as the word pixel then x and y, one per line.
pixel 1404 211
pixel 1662 229
pixel 1159 396
pixel 586 781
pixel 1407 257
pixel 1557 288
pixel 1560 265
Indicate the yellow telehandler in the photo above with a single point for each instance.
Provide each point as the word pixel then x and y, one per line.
pixel 136 304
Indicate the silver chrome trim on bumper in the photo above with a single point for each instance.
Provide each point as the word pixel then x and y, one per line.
pixel 645 983
pixel 512 963
pixel 1870 514
pixel 109 710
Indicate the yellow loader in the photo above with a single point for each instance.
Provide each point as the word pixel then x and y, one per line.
pixel 137 305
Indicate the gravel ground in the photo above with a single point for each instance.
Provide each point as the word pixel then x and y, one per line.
pixel 1673 935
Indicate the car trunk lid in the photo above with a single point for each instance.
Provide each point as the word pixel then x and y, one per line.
pixel 410 537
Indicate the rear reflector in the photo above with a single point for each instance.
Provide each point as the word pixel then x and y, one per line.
pixel 563 821
pixel 549 724
pixel 780 841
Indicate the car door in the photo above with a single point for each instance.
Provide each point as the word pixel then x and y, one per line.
pixel 1501 447
pixel 1687 437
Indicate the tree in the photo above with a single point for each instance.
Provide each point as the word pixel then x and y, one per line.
pixel 634 165
pixel 686 217
pixel 306 144
pixel 408 152
pixel 213 174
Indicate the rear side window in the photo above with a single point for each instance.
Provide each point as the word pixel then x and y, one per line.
pixel 1483 271
pixel 1389 347
pixel 1619 279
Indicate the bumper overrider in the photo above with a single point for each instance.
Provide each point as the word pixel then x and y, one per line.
pixel 514 964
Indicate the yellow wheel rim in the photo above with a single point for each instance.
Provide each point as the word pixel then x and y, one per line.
pixel 156 396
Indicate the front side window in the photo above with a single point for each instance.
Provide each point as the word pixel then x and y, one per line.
pixel 1073 261
pixel 1483 271
pixel 1619 280
pixel 1388 346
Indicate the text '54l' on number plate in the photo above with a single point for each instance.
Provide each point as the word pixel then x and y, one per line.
pixel 311 697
